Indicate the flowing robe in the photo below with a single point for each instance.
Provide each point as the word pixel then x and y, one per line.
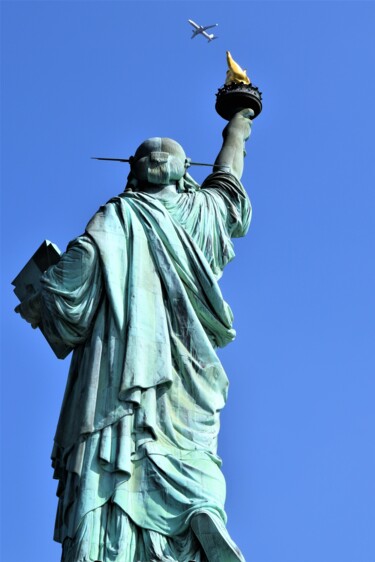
pixel 137 297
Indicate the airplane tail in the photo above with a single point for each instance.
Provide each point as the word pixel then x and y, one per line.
pixel 212 37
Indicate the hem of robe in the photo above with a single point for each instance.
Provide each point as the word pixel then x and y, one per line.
pixel 160 491
pixel 107 534
pixel 95 540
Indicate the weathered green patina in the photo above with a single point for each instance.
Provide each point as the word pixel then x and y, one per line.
pixel 137 297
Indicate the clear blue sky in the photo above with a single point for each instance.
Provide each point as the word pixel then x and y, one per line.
pixel 83 79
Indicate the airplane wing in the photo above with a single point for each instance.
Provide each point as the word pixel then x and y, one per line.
pixel 194 24
pixel 209 26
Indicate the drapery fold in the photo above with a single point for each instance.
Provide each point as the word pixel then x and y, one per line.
pixel 137 296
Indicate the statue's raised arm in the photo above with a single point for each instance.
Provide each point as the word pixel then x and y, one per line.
pixel 235 134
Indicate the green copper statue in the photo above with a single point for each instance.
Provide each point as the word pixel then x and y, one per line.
pixel 137 298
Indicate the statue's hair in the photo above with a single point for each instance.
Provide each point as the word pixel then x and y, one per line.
pixel 186 184
pixel 160 161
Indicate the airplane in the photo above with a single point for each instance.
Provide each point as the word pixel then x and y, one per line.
pixel 200 30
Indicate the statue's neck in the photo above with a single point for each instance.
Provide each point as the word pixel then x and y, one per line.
pixel 158 190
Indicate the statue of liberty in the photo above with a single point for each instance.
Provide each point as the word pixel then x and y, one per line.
pixel 136 297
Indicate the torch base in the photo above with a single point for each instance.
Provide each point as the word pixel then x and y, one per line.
pixel 232 98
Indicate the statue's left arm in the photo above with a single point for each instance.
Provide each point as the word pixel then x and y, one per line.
pixel 71 290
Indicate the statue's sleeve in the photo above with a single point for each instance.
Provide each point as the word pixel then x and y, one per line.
pixel 219 211
pixel 230 200
pixel 71 292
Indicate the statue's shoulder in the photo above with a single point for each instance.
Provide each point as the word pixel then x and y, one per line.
pixel 110 217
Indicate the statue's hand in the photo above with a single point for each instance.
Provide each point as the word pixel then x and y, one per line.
pixel 247 113
pixel 240 124
pixel 29 310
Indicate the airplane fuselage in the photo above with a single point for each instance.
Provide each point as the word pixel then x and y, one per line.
pixel 201 30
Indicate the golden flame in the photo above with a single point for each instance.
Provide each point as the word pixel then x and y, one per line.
pixel 235 74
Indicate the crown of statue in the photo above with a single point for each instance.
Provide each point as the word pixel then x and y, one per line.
pixel 188 161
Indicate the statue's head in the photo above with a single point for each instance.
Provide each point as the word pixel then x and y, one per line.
pixel 159 161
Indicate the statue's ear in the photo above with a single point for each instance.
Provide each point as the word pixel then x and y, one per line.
pixel 181 185
pixel 190 184
pixel 132 182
